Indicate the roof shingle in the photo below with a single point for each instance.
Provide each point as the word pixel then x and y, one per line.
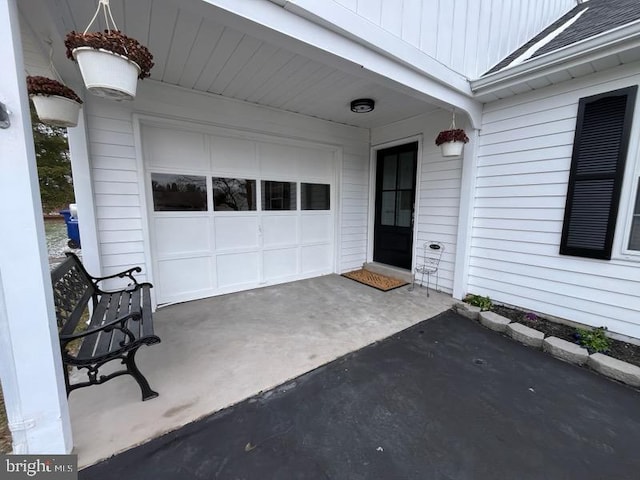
pixel 600 16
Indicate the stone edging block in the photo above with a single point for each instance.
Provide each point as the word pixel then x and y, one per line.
pixel 523 334
pixel 616 369
pixel 494 321
pixel 467 310
pixel 567 351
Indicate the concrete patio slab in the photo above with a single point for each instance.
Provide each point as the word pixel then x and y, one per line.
pixel 219 351
pixel 445 399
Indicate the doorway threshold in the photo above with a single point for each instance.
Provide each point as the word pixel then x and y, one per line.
pixel 389 271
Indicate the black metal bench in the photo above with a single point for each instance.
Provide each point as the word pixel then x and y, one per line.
pixel 120 323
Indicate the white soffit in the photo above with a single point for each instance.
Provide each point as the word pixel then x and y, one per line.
pixel 201 46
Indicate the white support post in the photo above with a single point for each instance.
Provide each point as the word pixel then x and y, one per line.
pixel 83 189
pixel 30 363
pixel 465 216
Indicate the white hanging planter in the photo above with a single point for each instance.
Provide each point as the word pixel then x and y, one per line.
pixel 452 149
pixel 107 74
pixel 55 110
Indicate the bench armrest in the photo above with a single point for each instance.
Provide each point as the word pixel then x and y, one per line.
pixel 126 273
pixel 118 323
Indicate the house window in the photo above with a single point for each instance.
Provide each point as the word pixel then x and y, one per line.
pixel 278 195
pixel 315 196
pixel 634 238
pixel 233 194
pixel 597 167
pixel 175 192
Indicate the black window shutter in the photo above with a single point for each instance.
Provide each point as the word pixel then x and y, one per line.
pixel 597 168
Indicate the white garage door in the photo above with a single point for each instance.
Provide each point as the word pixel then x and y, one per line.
pixel 230 213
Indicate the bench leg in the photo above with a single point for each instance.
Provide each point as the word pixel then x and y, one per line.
pixel 147 393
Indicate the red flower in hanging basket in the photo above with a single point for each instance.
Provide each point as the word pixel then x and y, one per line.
pixel 455 135
pixel 113 41
pixel 37 85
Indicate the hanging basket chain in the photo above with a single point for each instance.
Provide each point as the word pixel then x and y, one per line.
pixel 453 120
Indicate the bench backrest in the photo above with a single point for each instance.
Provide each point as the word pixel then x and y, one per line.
pixel 72 290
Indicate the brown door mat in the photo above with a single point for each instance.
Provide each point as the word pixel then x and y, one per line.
pixel 375 280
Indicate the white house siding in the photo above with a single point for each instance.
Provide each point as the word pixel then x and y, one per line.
pixel 117 194
pixel 119 198
pixel 438 189
pixel 469 36
pixel 523 168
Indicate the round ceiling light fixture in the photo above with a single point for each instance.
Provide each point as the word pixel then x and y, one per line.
pixel 362 105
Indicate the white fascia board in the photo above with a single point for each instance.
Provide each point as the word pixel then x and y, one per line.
pixel 600 46
pixel 341 52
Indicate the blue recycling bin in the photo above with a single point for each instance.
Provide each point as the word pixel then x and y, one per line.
pixel 73 232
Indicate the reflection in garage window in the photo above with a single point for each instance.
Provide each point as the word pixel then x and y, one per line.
pixel 174 192
pixel 278 195
pixel 315 196
pixel 233 194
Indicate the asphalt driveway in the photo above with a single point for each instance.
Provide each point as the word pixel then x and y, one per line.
pixel 444 399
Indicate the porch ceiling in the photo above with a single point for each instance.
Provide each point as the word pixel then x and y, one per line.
pixel 198 46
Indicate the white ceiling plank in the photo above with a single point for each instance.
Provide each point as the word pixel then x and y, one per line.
pixel 161 35
pixel 81 14
pixel 225 47
pixel 137 17
pixel 283 75
pixel 187 28
pixel 117 10
pixel 276 63
pixel 203 46
pixel 241 56
pixel 259 60
pixel 319 97
pixel 277 96
pixel 307 88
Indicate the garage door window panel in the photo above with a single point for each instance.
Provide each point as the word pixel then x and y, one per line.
pixel 315 196
pixel 234 194
pixel 179 193
pixel 278 195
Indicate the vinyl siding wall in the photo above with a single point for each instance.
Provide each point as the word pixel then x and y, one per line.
pixel 119 197
pixel 523 167
pixel 469 36
pixel 438 189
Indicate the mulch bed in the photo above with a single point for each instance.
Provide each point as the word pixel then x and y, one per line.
pixel 375 280
pixel 626 352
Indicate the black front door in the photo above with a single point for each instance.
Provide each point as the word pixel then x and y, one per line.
pixel 395 194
